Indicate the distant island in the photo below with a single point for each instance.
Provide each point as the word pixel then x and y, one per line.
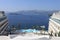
pixel 32 12
pixel 14 14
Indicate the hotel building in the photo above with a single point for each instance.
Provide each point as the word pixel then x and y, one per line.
pixel 3 23
pixel 54 24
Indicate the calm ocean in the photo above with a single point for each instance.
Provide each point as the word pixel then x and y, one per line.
pixel 28 20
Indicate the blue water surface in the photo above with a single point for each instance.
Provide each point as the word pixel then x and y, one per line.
pixel 29 20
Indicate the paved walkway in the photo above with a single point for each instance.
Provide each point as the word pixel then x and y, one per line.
pixel 29 36
pixel 4 38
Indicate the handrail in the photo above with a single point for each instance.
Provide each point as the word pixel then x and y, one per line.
pixel 3 23
pixel 2 30
pixel 1 19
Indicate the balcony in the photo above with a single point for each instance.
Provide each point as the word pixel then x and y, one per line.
pixel 3 28
pixel 56 20
pixel 1 19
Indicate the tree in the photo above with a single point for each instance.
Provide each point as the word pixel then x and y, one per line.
pixel 37 27
pixel 42 29
pixel 59 34
pixel 33 27
pixel 51 33
pixel 18 26
pixel 26 26
pixel 50 15
pixel 13 28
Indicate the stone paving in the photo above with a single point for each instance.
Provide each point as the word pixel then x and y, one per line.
pixel 28 36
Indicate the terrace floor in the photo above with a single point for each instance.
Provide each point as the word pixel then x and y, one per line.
pixel 29 36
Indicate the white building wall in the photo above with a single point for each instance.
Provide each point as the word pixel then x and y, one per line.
pixel 53 25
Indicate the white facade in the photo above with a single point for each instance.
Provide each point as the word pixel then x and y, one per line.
pixel 3 23
pixel 1 14
pixel 54 24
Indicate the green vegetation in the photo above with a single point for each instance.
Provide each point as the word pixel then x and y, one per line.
pixel 51 33
pixel 42 29
pixel 13 28
pixel 59 34
pixel 36 27
pixel 50 15
pixel 18 26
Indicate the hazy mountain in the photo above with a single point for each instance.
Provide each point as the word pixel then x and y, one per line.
pixel 32 12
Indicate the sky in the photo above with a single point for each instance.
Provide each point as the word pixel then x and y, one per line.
pixel 18 5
